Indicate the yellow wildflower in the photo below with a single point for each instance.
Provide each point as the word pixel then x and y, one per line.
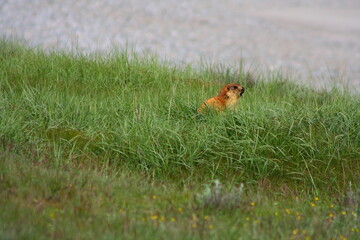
pixel 180 209
pixel 153 196
pixel 172 219
pixel 247 218
pixel 295 231
pixel 194 225
pixel 206 218
pixel 253 204
pixel 52 215
pixel 211 226
pixel 154 217
pixel 316 199
pixel 312 204
pixel 276 213
pixel 332 205
pixel 343 213
pixel 162 219
pixel 288 211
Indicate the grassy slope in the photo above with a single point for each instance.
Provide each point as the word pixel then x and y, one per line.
pixel 87 141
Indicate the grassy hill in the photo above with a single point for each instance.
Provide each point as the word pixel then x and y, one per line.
pixel 109 147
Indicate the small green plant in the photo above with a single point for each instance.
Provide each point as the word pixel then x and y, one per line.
pixel 216 196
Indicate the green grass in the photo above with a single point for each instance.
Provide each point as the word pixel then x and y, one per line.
pixel 109 147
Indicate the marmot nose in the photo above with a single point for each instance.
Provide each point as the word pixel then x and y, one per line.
pixel 242 90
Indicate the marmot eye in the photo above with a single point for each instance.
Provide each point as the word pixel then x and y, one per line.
pixel 235 87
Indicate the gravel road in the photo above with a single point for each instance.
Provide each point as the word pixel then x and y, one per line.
pixel 317 41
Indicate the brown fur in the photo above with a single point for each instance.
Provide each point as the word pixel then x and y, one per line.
pixel 227 98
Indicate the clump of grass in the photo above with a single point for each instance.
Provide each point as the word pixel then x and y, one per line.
pixel 281 132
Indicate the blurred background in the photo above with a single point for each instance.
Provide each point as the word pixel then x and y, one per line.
pixel 315 41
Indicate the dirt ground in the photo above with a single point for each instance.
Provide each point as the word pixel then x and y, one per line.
pixel 317 41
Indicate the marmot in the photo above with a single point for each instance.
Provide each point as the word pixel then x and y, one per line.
pixel 226 99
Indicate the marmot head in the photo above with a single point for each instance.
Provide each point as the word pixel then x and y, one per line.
pixel 232 90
